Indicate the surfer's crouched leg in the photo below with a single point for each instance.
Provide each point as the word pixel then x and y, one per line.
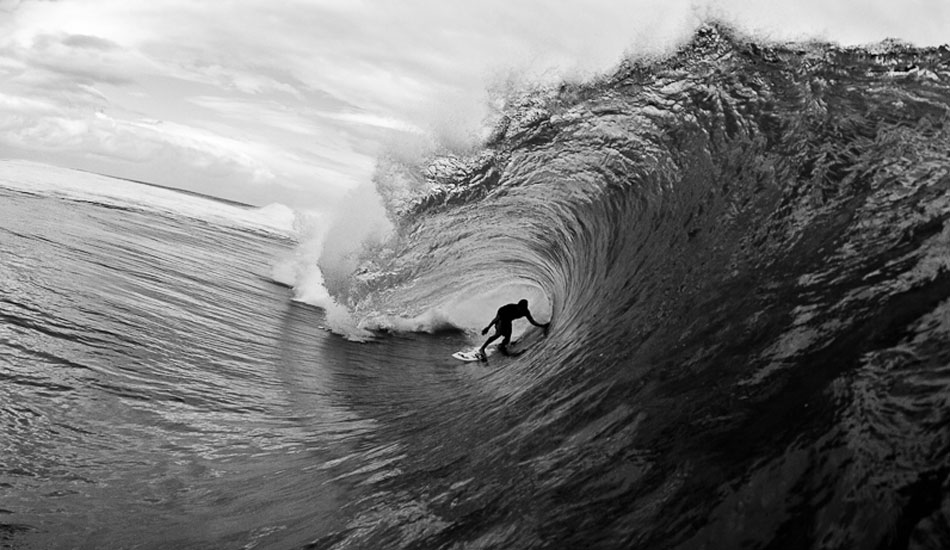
pixel 481 356
pixel 503 348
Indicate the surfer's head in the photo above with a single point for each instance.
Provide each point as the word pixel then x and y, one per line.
pixel 523 304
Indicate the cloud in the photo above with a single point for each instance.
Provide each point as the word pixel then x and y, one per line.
pixel 299 95
pixel 79 58
pixel 273 114
pixel 377 121
pixel 133 141
pixel 89 42
pixel 24 105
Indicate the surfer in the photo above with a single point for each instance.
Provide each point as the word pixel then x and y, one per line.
pixel 502 323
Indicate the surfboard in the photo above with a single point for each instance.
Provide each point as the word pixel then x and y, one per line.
pixel 529 337
pixel 469 356
pixel 472 355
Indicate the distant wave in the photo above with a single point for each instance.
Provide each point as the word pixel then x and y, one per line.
pixel 78 185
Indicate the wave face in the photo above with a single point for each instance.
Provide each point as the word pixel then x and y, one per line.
pixel 745 253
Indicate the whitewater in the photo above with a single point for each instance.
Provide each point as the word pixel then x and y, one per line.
pixel 743 249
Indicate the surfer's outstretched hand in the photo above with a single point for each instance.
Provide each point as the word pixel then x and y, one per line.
pixel 484 331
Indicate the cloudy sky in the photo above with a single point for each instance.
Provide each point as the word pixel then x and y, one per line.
pixel 292 100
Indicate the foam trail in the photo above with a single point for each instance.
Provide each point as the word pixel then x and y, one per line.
pixel 330 246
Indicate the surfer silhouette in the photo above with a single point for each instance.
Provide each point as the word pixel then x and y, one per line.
pixel 502 323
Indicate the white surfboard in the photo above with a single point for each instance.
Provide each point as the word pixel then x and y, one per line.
pixel 472 354
pixel 526 339
pixel 469 356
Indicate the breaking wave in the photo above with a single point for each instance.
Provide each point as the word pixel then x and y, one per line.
pixel 745 254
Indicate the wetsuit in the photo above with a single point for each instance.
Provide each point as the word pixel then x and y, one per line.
pixel 502 323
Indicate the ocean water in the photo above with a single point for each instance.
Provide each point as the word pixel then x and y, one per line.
pixel 744 251
pixel 160 390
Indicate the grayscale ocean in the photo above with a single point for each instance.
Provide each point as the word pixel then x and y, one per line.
pixel 743 247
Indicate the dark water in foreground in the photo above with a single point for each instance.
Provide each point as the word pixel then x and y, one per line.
pixel 746 254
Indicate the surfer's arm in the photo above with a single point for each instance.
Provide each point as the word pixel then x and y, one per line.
pixel 490 325
pixel 535 323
